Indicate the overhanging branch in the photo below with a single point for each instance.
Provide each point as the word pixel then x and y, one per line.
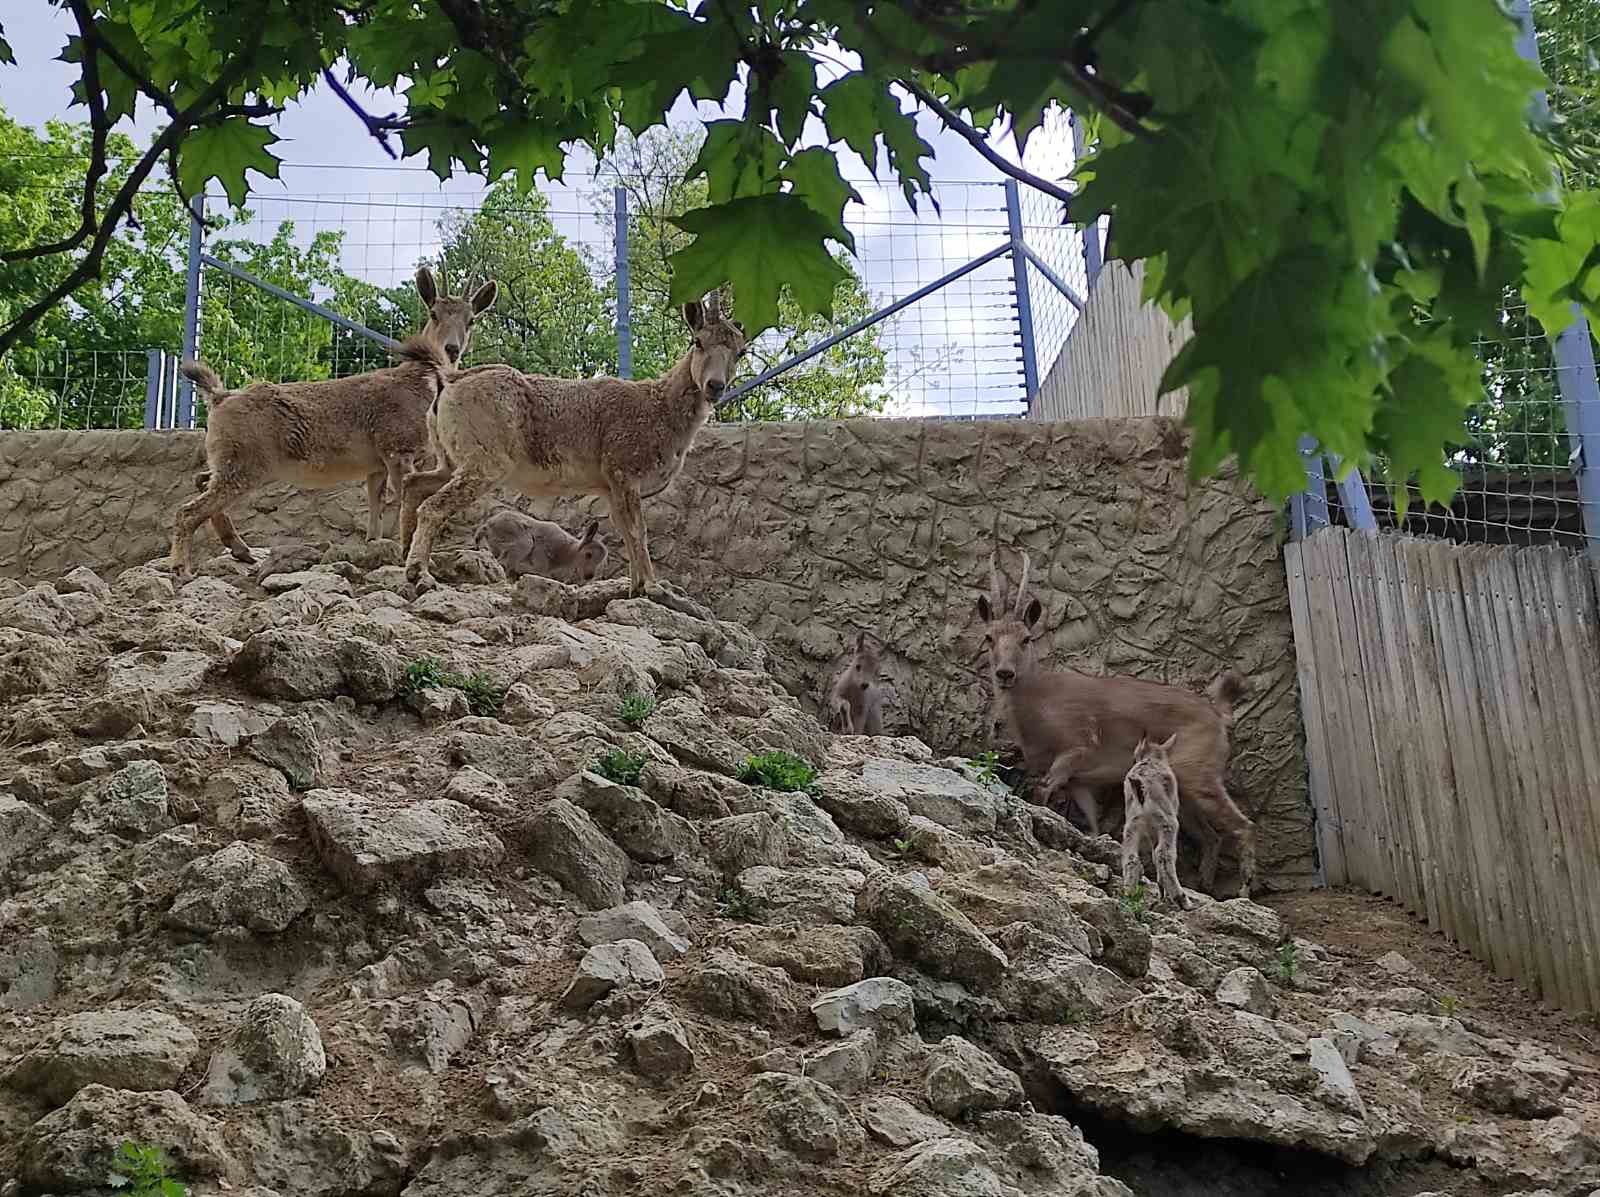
pixel 952 121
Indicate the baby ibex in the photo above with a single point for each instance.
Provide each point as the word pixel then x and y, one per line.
pixel 1077 731
pixel 319 434
pixel 855 706
pixel 496 426
pixel 524 545
pixel 1150 800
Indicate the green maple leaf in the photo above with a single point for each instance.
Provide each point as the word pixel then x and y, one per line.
pixel 738 158
pixel 7 58
pixel 445 142
pixel 857 109
pixel 1428 396
pixel 225 151
pixel 791 92
pixel 816 178
pixel 761 244
pixel 525 147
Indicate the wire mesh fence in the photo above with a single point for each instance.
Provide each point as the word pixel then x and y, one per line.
pixel 957 352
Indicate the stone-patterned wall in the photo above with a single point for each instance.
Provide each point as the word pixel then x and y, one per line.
pixel 807 532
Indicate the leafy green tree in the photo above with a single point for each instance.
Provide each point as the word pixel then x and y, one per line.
pixel 1338 192
pixel 658 173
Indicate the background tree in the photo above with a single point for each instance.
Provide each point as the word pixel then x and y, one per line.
pixel 1337 192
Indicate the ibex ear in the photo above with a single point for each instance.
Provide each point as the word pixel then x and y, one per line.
pixel 986 611
pixel 592 531
pixel 1166 745
pixel 426 286
pixel 861 642
pixel 694 314
pixel 483 298
pixel 1031 615
pixel 1143 746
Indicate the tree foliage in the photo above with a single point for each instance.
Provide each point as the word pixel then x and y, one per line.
pixel 1339 192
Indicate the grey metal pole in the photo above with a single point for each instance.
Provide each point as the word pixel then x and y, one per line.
pixel 619 197
pixel 1093 254
pixel 1574 352
pixel 1308 510
pixel 191 310
pixel 152 388
pixel 1019 274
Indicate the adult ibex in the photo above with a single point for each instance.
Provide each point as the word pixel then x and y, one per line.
pixel 1077 731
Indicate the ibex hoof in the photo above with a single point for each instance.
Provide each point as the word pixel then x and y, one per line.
pixel 423 583
pixel 244 553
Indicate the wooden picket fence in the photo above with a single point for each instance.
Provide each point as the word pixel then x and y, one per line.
pixel 1451 697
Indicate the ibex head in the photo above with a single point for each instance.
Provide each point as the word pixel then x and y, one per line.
pixel 1010 633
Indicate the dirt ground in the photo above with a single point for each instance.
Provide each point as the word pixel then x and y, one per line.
pixel 1370 925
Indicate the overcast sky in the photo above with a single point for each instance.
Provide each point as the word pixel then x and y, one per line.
pixel 335 175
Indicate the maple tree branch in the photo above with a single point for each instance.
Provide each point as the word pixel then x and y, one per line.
pixel 379 126
pixel 122 204
pixel 977 141
pixel 100 128
pixel 146 88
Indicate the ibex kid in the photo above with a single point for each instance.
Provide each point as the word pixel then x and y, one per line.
pixel 855 705
pixel 1150 807
pixel 524 545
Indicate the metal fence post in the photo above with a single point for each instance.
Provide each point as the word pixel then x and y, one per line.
pixel 152 388
pixel 1093 254
pixel 1574 352
pixel 184 417
pixel 1019 274
pixel 1308 510
pixel 624 300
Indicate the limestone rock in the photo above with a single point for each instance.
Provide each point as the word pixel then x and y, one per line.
pixel 132 802
pixel 1522 1089
pixel 897 1123
pixel 237 887
pixel 660 1046
pixel 291 746
pixel 963 1079
pixel 1240 918
pixel 845 1066
pixel 29 965
pixel 741 842
pixel 801 897
pixel 811 1119
pixel 636 920
pixel 942 795
pixel 113 716
pixel 225 723
pixel 23 827
pixel 880 1004
pixel 1246 989
pixel 607 966
pixel 365 844
pixel 287 664
pixel 922 927
pixel 1335 1086
pixel 565 842
pixel 1050 981
pixel 481 791
pixel 449 605
pixel 39 610
pixel 861 807
pixel 943 1167
pixel 122 1049
pixel 635 823
pixel 827 955
pixel 76 1146
pixel 275 1053
pixel 372 673
pixel 729 986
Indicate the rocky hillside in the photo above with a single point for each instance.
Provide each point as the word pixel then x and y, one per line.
pixel 325 893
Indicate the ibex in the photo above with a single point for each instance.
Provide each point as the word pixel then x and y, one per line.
pixel 855 705
pixel 496 426
pixel 319 434
pixel 524 545
pixel 1150 804
pixel 1077 731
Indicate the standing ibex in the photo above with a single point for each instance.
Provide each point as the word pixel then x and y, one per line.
pixel 855 705
pixel 495 425
pixel 524 545
pixel 318 434
pixel 1150 795
pixel 1077 731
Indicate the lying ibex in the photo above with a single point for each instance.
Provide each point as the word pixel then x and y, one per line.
pixel 524 545
pixel 1077 731
pixel 1150 800
pixel 319 434
pixel 495 425
pixel 855 705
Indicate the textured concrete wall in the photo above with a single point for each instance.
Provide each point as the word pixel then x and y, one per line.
pixel 807 532
pixel 1115 355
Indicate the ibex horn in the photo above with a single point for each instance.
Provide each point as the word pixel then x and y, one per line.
pixel 997 598
pixel 1022 588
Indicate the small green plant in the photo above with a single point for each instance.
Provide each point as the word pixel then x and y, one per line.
pixel 142 1171
pixel 988 764
pixel 483 695
pixel 901 847
pixel 736 904
pixel 1137 902
pixel 621 767
pixel 1288 962
pixel 1449 1004
pixel 780 771
pixel 1075 1016
pixel 636 708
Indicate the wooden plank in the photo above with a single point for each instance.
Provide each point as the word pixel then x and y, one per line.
pixel 1577 626
pixel 1387 726
pixel 1344 795
pixel 1374 817
pixel 1579 898
pixel 1410 735
pixel 1444 588
pixel 1329 840
pixel 1507 743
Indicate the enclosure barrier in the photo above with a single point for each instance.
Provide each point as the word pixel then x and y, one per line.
pixel 1450 696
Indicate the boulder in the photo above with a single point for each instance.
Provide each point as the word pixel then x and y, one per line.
pixel 636 920
pixel 237 887
pixel 880 1004
pixel 366 844
pixel 920 926
pixel 566 843
pixel 132 802
pixel 608 966
pixel 137 1050
pixel 274 1054
pixel 962 1079
pixel 76 1146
